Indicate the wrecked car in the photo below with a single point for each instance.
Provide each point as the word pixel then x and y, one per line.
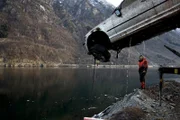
pixel 132 22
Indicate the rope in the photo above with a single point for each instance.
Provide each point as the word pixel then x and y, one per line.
pixel 144 48
pixel 128 72
pixel 94 70
pixel 94 77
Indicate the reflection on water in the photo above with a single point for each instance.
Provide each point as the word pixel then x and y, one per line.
pixel 62 94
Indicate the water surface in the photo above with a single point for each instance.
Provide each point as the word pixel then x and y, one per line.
pixel 63 93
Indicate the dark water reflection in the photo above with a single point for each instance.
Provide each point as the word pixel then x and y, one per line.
pixel 63 94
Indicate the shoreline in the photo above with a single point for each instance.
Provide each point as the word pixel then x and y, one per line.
pixel 144 104
pixel 30 65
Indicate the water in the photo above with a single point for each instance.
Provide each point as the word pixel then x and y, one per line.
pixel 65 93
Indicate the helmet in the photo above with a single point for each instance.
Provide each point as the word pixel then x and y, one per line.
pixel 141 57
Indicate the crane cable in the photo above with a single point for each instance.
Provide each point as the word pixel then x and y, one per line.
pixel 144 48
pixel 128 71
pixel 94 77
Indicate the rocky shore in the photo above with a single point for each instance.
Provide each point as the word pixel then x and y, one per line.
pixel 145 105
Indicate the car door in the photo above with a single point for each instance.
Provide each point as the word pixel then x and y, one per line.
pixel 163 5
pixel 107 25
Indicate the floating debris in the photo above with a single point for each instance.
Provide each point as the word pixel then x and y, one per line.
pixel 92 108
pixel 83 109
pixel 87 118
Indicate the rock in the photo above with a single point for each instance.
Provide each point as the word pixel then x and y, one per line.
pixel 142 100
pixel 153 106
pixel 171 107
pixel 172 104
pixel 92 108
pixel 169 97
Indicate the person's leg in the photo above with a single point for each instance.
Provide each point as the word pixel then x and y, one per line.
pixel 141 80
pixel 143 85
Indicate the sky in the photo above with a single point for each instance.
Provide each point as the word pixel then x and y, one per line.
pixel 115 2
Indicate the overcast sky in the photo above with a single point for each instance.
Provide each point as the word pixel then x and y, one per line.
pixel 115 2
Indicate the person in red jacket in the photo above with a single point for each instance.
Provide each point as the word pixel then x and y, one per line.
pixel 143 67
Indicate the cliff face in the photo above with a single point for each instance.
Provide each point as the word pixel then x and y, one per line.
pixel 30 32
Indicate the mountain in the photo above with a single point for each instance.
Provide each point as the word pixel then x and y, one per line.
pixel 30 33
pixel 154 50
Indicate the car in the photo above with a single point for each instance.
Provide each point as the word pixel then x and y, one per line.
pixel 132 22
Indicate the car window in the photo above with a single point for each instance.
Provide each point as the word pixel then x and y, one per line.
pixel 118 12
pixel 124 4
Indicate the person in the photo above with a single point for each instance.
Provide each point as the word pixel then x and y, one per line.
pixel 143 67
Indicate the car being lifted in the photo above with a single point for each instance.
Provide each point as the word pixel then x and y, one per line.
pixel 132 22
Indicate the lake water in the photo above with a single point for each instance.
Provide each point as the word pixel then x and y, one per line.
pixel 63 93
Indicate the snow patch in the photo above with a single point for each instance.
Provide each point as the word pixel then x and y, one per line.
pixel 60 2
pixel 42 8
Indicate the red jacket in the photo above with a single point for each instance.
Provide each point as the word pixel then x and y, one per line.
pixel 143 65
